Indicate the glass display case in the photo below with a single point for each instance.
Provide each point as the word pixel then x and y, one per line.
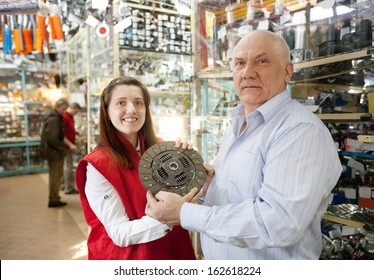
pixel 156 49
pixel 218 96
pixel 25 96
pixel 101 68
pixel 331 45
pixel 167 77
pixel 163 65
pixel 73 58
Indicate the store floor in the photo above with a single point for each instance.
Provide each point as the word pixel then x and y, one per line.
pixel 29 230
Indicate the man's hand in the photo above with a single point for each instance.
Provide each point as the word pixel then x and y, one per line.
pixel 209 175
pixel 166 206
pixel 73 148
pixel 184 144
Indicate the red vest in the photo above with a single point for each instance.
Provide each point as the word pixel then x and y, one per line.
pixel 176 245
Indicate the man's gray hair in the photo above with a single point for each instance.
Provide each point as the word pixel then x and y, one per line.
pixel 62 102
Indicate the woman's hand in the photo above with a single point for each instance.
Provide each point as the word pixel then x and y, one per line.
pixel 184 144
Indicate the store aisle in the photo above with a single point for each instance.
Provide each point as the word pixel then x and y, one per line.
pixel 29 230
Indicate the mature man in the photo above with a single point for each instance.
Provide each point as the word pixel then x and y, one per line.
pixel 274 172
pixel 53 149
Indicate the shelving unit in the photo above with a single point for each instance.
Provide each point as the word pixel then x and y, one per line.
pixel 22 108
pixel 165 72
pixel 157 51
pixel 218 26
pixel 102 66
pixel 73 58
pixel 350 215
pixel 167 77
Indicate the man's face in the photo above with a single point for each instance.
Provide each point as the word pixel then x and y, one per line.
pixel 260 71
pixel 74 111
pixel 61 109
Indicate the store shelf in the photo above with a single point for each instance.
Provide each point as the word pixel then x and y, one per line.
pixel 116 55
pixel 224 72
pixel 343 221
pixel 168 9
pixel 367 52
pixel 366 138
pixel 17 142
pixel 344 117
pixel 350 215
pixel 43 70
pixel 215 73
pixel 357 154
pixel 167 77
pixel 313 80
pixel 21 120
pixel 97 52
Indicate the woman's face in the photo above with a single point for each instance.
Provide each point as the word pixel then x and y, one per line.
pixel 127 110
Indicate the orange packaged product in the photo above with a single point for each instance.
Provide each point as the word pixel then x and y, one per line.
pixel 56 28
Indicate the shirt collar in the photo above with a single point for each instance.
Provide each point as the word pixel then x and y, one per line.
pixel 267 110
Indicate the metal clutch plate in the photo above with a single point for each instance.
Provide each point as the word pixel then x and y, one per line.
pixel 164 167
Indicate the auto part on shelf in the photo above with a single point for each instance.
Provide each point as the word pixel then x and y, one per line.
pixel 164 167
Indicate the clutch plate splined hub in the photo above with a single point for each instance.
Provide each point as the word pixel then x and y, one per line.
pixel 164 167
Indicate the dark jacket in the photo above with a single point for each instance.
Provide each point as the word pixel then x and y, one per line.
pixel 52 138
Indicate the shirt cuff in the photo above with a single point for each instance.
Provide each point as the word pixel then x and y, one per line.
pixel 193 216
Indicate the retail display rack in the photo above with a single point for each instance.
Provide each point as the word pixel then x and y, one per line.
pixel 332 52
pixel 24 98
pixel 155 48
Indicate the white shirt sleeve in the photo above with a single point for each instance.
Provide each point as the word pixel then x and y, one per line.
pixel 109 209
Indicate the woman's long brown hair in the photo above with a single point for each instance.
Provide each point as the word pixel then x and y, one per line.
pixel 120 152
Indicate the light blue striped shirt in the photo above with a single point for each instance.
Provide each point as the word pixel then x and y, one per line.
pixel 271 187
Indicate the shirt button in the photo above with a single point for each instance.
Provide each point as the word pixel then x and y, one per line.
pixel 168 230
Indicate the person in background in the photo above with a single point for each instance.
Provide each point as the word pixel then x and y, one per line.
pixel 273 174
pixel 52 148
pixel 70 135
pixel 112 195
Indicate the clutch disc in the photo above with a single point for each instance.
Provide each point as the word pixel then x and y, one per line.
pixel 164 167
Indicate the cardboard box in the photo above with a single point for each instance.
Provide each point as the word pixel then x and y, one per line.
pixel 366 196
pixel 353 145
pixel 371 102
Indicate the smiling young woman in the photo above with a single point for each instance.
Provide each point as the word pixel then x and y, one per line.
pixel 111 193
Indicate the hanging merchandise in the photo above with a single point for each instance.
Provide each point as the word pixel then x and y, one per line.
pixel 92 21
pixel 42 43
pixel 17 35
pixel 27 34
pixel 32 26
pixel 7 36
pixel 56 28
pixel 183 7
